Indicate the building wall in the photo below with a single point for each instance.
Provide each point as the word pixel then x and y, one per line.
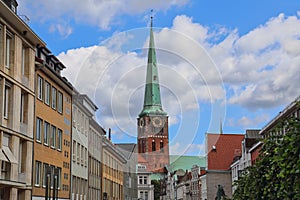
pixel 80 129
pixel 57 155
pixel 145 189
pixel 215 178
pixel 153 142
pixel 16 107
pixel 113 171
pixel 95 161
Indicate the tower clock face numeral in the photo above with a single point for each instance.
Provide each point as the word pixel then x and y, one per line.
pixel 157 122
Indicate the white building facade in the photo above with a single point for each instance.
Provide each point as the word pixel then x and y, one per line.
pixel 83 110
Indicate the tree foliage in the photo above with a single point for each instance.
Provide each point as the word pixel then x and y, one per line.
pixel 276 173
pixel 157 186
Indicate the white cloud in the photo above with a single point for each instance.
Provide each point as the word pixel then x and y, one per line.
pixel 102 13
pixel 187 149
pixel 63 29
pixel 260 68
pixel 247 122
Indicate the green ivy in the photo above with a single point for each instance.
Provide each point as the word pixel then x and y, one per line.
pixel 276 173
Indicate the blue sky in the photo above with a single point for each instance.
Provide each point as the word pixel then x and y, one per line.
pixel 230 62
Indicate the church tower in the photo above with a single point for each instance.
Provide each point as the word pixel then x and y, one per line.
pixel 152 122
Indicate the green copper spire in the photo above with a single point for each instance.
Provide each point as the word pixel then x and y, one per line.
pixel 152 102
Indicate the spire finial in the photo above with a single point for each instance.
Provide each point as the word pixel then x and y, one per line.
pixel 151 18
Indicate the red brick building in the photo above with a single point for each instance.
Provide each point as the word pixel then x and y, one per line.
pixel 221 149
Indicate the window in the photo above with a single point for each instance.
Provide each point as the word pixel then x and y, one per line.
pixel 53 97
pixel 52 176
pixel 74 151
pixel 140 180
pixel 145 180
pixel 38 168
pixel 53 136
pixel 6 101
pixel 153 145
pixel 78 153
pixel 38 129
pixel 161 146
pixel 45 167
pixel 59 177
pixel 23 61
pixel 23 107
pixel 60 102
pixel 46 132
pixel 47 93
pixel 8 51
pixel 40 88
pixel 59 139
pixel 85 156
pixel 82 155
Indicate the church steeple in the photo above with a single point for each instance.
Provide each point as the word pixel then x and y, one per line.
pixel 152 101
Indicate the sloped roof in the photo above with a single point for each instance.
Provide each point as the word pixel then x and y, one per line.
pixel 186 162
pixel 221 150
pixel 126 148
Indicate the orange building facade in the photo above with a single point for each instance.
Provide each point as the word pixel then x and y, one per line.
pixel 52 132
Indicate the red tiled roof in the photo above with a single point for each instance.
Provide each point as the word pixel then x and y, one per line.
pixel 226 147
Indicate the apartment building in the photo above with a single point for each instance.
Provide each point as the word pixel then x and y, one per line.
pixel 96 134
pixel 243 160
pixel 83 110
pixel 291 110
pixel 145 188
pixel 129 150
pixel 52 132
pixel 17 53
pixel 113 171
pixel 221 149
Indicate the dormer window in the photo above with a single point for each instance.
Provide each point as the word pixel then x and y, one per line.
pixel 43 57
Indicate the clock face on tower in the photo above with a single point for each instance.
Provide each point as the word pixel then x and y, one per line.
pixel 157 122
pixel 141 122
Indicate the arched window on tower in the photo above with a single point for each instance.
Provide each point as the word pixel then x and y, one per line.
pixel 153 145
pixel 143 146
pixel 161 146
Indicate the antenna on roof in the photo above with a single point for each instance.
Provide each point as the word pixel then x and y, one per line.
pixel 221 128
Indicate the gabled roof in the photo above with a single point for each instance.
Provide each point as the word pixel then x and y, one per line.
pixel 221 150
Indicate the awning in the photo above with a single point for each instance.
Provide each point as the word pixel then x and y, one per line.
pixel 2 156
pixel 9 155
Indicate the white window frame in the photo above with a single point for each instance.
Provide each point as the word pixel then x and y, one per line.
pixel 38 167
pixel 6 101
pixel 60 102
pixel 47 92
pixel 46 133
pixel 54 97
pixel 7 51
pixel 53 136
pixel 39 129
pixel 40 81
pixel 59 139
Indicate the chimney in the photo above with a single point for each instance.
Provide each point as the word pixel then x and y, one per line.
pixel 109 133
